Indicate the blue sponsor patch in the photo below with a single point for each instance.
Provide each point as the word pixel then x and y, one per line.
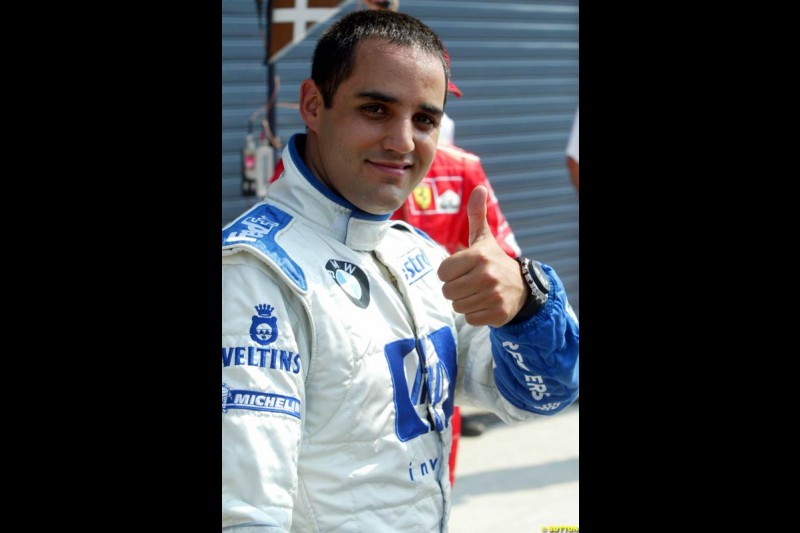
pixel 257 229
pixel 259 401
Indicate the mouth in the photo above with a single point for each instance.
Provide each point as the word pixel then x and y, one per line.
pixel 391 168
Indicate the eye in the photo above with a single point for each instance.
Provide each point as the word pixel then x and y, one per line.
pixel 426 121
pixel 374 109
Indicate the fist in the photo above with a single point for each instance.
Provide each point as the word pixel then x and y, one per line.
pixel 482 281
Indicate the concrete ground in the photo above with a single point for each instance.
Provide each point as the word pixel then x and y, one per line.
pixel 520 478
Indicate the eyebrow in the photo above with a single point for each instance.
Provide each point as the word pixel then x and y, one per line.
pixel 383 97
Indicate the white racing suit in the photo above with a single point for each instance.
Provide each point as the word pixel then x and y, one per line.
pixel 341 359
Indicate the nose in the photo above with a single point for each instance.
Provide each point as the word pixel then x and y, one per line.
pixel 399 136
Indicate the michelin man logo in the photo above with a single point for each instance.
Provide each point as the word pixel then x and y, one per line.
pixel 264 328
pixel 226 395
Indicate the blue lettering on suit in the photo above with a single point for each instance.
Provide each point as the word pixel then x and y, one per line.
pixel 259 401
pixel 415 265
pixel 262 357
pixel 407 397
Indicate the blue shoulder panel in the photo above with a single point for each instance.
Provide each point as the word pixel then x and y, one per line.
pixel 257 229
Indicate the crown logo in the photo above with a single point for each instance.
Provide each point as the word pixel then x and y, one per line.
pixel 264 310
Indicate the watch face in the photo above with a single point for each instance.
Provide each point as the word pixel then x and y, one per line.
pixel 540 277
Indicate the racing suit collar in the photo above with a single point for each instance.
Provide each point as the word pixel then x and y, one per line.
pixel 304 193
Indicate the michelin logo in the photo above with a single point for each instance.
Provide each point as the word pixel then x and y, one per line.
pixel 259 401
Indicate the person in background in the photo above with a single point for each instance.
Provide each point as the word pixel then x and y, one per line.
pixel 572 153
pixel 347 336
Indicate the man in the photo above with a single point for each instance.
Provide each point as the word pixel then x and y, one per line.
pixel 346 335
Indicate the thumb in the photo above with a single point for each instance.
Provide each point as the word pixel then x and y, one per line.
pixel 476 213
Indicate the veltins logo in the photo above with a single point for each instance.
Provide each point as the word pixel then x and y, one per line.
pixel 264 328
pixel 351 279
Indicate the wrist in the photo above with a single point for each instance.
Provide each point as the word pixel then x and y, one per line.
pixel 538 289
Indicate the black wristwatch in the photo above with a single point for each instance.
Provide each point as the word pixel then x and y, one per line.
pixel 533 274
pixel 537 280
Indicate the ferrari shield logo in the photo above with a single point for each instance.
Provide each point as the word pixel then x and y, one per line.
pixel 423 195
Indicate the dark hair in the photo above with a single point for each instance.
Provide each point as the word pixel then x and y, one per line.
pixel 334 55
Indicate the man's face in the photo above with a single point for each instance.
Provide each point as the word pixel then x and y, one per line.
pixel 378 139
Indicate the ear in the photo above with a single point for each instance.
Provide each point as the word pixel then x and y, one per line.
pixel 311 104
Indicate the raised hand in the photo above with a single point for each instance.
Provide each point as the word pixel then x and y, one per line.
pixel 482 281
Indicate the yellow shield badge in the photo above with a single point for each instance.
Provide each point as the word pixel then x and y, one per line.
pixel 423 195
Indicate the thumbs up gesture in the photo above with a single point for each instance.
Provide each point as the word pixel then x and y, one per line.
pixel 482 281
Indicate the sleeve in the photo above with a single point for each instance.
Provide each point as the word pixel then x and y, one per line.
pixel 531 368
pixel 536 362
pixel 263 368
